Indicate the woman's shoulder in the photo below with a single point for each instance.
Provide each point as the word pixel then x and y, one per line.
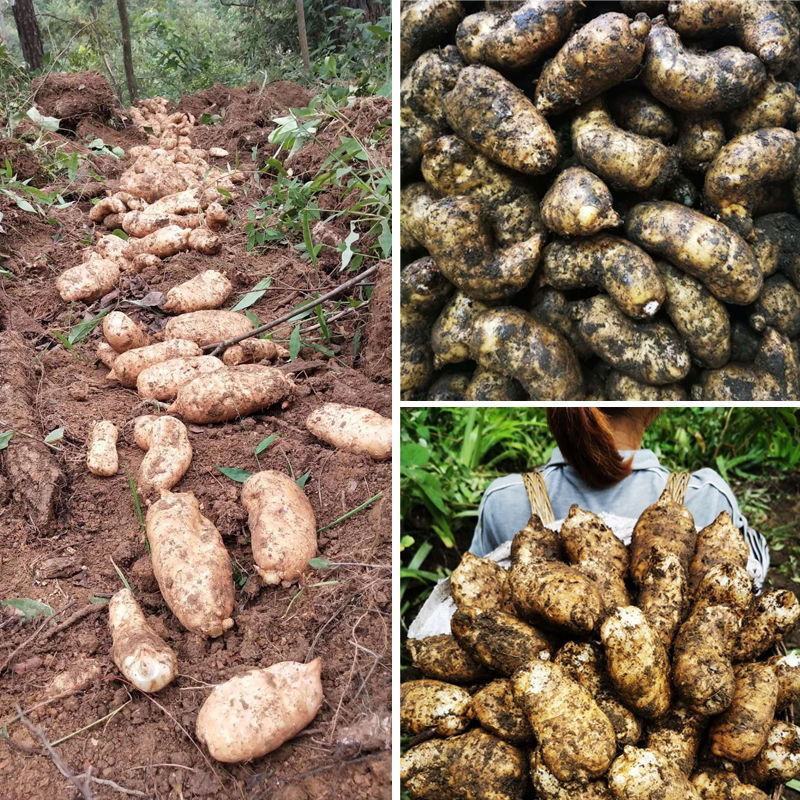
pixel 513 481
pixel 709 494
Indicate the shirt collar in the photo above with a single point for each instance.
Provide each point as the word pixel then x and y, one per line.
pixel 642 459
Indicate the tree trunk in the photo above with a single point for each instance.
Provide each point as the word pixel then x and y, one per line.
pixel 127 56
pixel 372 8
pixel 301 30
pixel 30 37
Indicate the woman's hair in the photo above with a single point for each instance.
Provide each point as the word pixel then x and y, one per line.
pixel 586 439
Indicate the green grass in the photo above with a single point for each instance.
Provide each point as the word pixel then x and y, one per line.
pixel 450 455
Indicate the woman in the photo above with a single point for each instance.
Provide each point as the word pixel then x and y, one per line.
pixel 600 466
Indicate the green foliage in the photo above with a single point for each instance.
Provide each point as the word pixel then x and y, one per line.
pixel 450 455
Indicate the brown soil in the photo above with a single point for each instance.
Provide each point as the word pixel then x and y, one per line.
pixel 70 96
pixel 24 164
pixel 342 615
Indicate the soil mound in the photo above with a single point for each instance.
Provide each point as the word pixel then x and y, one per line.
pixel 70 96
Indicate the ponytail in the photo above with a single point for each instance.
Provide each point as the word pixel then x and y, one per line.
pixel 587 443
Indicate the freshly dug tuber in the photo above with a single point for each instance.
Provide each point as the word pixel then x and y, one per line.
pixel 636 661
pixel 644 774
pixel 190 564
pixel 666 526
pixel 638 112
pixel 488 385
pixel 424 24
pixel 720 784
pixel 161 381
pixel 695 81
pixel 604 52
pixel 779 761
pixel 168 452
pixel 451 333
pixel 442 657
pixel 283 527
pixel 663 596
pixel 230 393
pixel 442 707
pixel 778 307
pixel 141 655
pixel 583 662
pixel 740 732
pixel 252 351
pixel 770 616
pixel 479 583
pixel 129 365
pixel 548 787
pixel 624 160
pixel 106 354
pixel 676 736
pixel 625 272
pixel 449 386
pixel 253 714
pixel 510 342
pixel 724 585
pixel 738 173
pixel 575 737
pixel 787 670
pixel 578 203
pixel 89 280
pixel 497 119
pixel 101 449
pixel 473 766
pixel 591 546
pixel 208 290
pixel 623 387
pixel 513 37
pixel 699 245
pixel 701 662
pixel 497 711
pixel 498 640
pixel 650 352
pixel 207 327
pixel 352 429
pixel 721 542
pixel 700 139
pixel 772 107
pixel 123 333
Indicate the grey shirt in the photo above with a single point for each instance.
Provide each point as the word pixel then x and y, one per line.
pixel 505 508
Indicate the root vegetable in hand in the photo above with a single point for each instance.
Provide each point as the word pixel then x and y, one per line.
pixel 190 564
pixel 498 640
pixel 123 333
pixel 517 36
pixel 578 203
pixel 208 290
pixel 163 380
pixel 283 527
pixel 141 655
pixel 604 52
pixel 207 327
pixel 352 429
pixel 253 714
pixel 230 393
pixel 480 584
pixel 740 732
pixel 576 739
pixel 497 119
pixel 131 363
pixel 168 452
pixel 101 451
pixel 637 661
pixel 618 267
pixel 441 657
pixel 427 704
